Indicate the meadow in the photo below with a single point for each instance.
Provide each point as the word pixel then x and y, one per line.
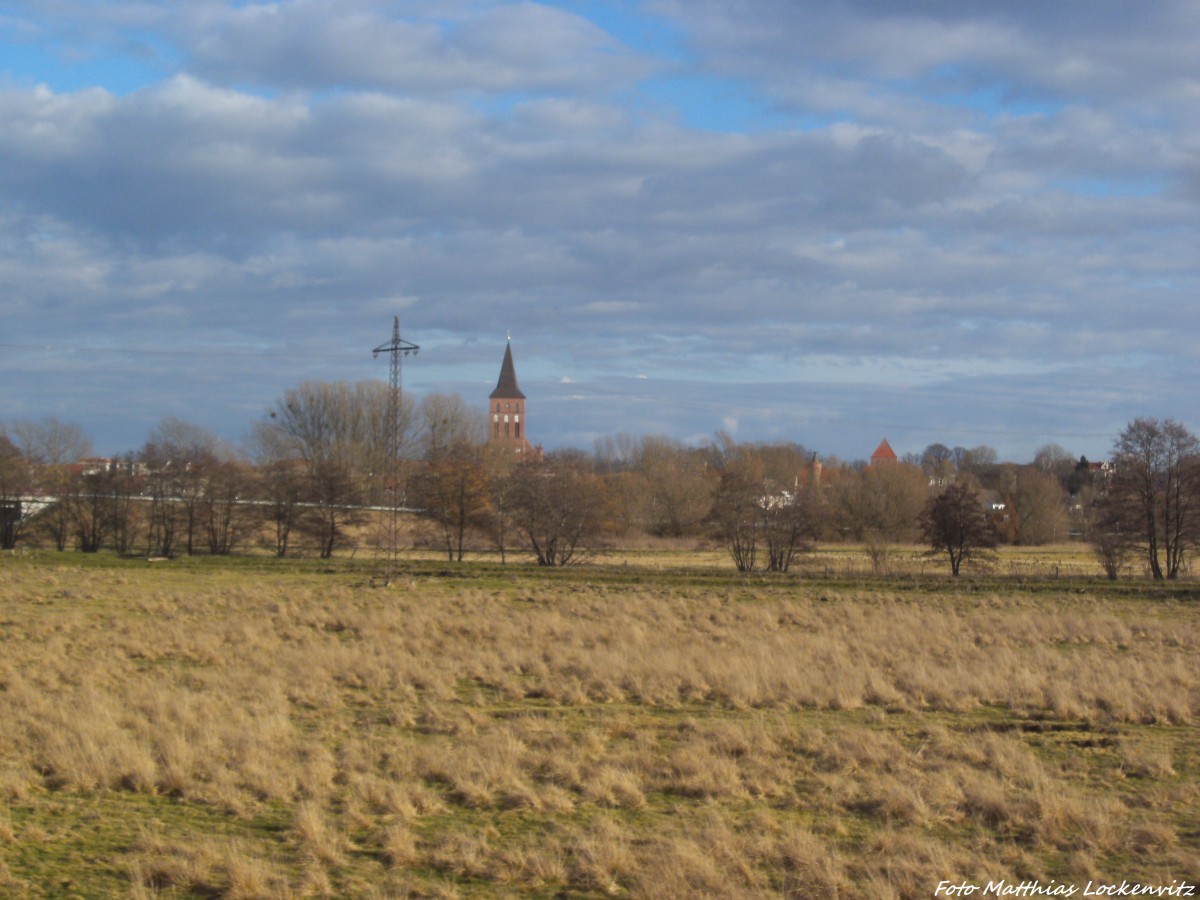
pixel 642 726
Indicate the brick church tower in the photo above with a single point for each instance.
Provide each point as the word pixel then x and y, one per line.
pixel 506 411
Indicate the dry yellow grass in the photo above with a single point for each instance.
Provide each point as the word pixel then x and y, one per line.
pixel 196 731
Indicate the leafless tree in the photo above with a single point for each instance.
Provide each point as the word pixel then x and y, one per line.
pixel 1109 524
pixel 678 486
pixel 340 433
pixel 227 519
pixel 1155 490
pixel 1034 502
pixel 616 453
pixel 632 504
pixel 14 485
pixel 449 484
pixel 127 510
pixel 1054 459
pixel 559 509
pixel 52 447
pixel 789 525
pixel 90 502
pixel 954 523
pixel 501 488
pixel 335 495
pixel 446 423
pixel 737 506
pixel 880 502
pixel 51 442
pixel 879 506
pixel 938 462
pixel 281 484
pixel 979 461
pixel 450 490
pixel 180 458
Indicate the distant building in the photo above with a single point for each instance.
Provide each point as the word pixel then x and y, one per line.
pixel 507 412
pixel 105 465
pixel 884 454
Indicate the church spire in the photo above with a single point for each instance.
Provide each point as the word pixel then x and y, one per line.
pixel 506 386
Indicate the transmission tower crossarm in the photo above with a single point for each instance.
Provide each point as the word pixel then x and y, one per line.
pixel 396 345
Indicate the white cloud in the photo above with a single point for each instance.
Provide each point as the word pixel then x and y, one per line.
pixel 492 48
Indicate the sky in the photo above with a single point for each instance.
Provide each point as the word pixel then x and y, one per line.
pixel 811 221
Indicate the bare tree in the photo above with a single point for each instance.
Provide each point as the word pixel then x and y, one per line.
pixel 127 510
pixel 1034 500
pixel 938 462
pixel 90 502
pixel 227 519
pixel 979 461
pixel 321 421
pixel 163 519
pixel 679 487
pixel 880 506
pixel 615 453
pixel 340 432
pixel 180 458
pixel 1155 490
pixel 449 486
pixel 56 520
pixel 954 523
pixel 447 423
pixel 52 446
pixel 335 496
pixel 737 506
pixel 1053 459
pixel 51 442
pixel 789 525
pixel 881 502
pixel 281 484
pixel 451 491
pixel 496 519
pixel 1107 520
pixel 632 503
pixel 559 509
pixel 14 485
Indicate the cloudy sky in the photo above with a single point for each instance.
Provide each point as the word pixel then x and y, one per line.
pixel 826 222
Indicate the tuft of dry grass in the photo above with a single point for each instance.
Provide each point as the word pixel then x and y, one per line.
pixel 317 839
pixel 1146 758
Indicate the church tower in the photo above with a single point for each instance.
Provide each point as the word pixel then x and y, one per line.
pixel 506 410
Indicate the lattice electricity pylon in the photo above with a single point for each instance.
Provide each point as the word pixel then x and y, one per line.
pixel 397 349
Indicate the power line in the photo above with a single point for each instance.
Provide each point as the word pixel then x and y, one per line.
pixel 149 351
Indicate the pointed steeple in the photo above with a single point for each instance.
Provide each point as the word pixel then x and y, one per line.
pixel 506 387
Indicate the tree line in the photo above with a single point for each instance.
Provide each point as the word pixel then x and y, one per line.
pixel 315 469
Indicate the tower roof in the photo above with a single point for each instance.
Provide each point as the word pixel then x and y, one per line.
pixel 884 451
pixel 506 387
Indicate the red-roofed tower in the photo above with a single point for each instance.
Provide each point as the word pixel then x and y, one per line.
pixel 883 454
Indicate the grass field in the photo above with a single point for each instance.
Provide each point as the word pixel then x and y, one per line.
pixel 645 727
